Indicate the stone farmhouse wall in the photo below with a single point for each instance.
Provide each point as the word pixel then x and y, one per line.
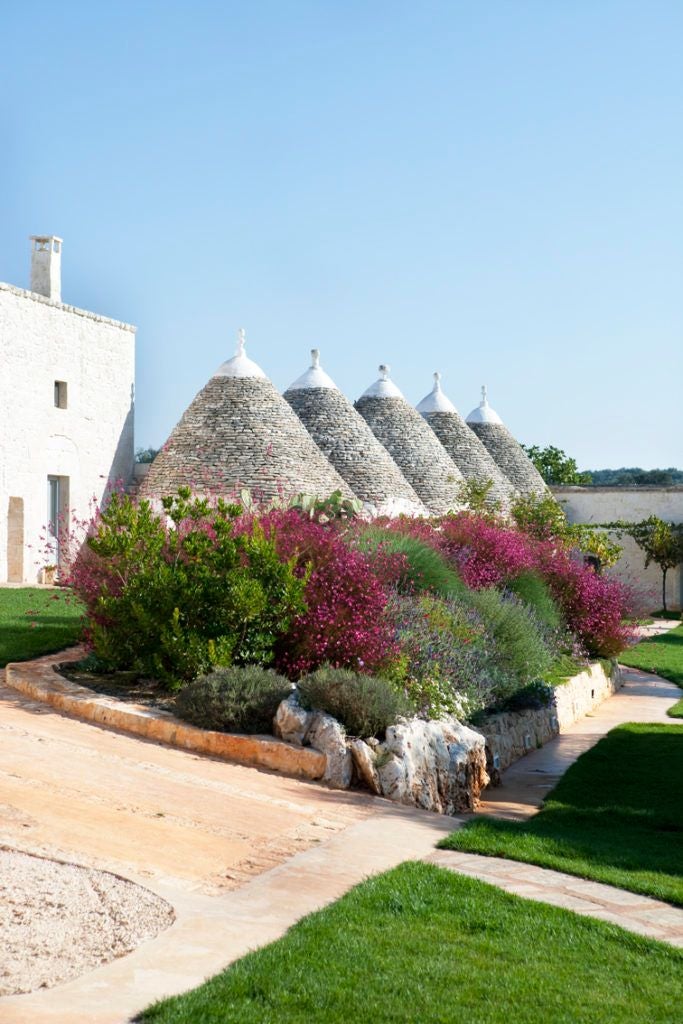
pixel 607 504
pixel 85 441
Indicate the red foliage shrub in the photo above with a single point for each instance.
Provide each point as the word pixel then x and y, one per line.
pixel 345 624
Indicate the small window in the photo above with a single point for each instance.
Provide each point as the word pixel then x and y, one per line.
pixel 60 394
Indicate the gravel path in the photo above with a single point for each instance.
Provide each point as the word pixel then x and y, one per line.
pixel 59 920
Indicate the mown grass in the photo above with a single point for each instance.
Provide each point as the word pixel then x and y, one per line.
pixel 35 622
pixel 616 816
pixel 421 944
pixel 662 655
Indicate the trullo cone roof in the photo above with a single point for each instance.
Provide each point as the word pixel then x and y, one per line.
pixel 345 438
pixel 240 433
pixel 463 445
pixel 412 444
pixel 505 450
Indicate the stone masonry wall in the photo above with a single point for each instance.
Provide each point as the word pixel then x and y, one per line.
pixel 510 457
pixel 512 734
pixel 347 441
pixel 416 449
pixel 240 433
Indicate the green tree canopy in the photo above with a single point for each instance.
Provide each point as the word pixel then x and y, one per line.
pixel 555 466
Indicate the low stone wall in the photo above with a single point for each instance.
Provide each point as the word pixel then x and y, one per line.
pixel 37 679
pixel 512 734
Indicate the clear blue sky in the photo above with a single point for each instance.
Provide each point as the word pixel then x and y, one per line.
pixel 492 189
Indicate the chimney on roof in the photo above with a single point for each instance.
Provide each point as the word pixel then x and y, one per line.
pixel 46 266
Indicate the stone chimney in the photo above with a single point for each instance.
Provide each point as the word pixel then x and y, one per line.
pixel 46 266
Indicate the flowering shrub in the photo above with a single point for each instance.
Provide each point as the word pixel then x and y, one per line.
pixel 486 554
pixel 595 607
pixel 173 595
pixel 344 624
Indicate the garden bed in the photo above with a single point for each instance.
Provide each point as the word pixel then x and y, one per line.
pixel 441 766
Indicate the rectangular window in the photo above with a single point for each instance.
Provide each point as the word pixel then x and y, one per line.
pixel 60 394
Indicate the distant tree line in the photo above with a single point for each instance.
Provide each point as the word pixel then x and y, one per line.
pixel 557 468
pixel 636 477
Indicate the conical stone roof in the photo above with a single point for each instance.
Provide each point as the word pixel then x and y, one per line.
pixel 348 442
pixel 412 444
pixel 240 433
pixel 464 447
pixel 505 450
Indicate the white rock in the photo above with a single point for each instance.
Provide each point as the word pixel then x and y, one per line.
pixel 326 734
pixel 291 721
pixel 392 779
pixel 444 764
pixel 364 761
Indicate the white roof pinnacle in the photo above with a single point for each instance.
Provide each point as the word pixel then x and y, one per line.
pixel 314 377
pixel 384 387
pixel 240 365
pixel 436 401
pixel 484 413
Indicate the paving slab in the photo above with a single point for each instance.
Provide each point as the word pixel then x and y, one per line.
pixel 639 914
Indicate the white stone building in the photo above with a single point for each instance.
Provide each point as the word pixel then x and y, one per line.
pixel 66 413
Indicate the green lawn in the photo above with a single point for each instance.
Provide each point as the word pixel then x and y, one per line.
pixel 421 945
pixel 662 655
pixel 616 816
pixel 35 622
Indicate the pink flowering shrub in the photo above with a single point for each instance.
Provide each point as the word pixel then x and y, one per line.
pixel 485 553
pixel 345 623
pixel 596 608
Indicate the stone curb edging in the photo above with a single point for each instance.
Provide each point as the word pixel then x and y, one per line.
pixel 37 679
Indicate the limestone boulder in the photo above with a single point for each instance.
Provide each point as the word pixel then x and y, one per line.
pixel 291 721
pixel 442 764
pixel 327 735
pixel 364 764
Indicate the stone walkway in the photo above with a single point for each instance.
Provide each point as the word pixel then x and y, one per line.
pixel 640 914
pixel 643 698
pixel 241 854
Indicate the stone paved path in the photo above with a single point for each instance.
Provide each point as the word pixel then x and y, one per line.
pixel 643 698
pixel 639 914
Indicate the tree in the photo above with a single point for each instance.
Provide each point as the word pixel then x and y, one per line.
pixel 661 542
pixel 555 466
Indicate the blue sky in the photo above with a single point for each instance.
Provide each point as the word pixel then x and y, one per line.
pixel 492 189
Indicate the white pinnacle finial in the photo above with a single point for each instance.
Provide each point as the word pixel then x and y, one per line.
pixel 384 371
pixel 484 395
pixel 315 358
pixel 241 341
pixel 437 381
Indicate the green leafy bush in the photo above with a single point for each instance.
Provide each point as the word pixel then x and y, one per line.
pixel 532 591
pixel 365 705
pixel 421 566
pixel 521 654
pixel 173 594
pixel 235 699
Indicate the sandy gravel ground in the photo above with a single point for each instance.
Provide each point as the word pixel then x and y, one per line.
pixel 59 920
